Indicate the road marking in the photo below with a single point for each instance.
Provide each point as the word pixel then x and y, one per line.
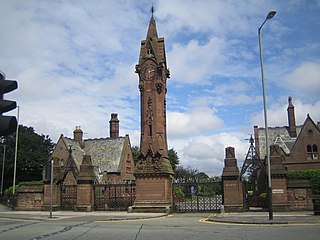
pixel 134 220
pixel 20 220
pixel 65 229
pixel 17 227
pixel 206 220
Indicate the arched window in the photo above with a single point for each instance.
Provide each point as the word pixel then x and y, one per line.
pixel 312 152
pixel 315 152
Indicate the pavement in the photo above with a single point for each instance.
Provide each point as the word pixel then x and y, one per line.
pixel 7 213
pixel 226 218
pixel 263 218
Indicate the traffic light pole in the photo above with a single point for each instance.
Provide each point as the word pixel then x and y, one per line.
pixel 16 155
pixel 3 161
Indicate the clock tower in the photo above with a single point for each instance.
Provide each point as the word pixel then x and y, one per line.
pixel 153 170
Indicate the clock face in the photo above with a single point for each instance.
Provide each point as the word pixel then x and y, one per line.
pixel 149 72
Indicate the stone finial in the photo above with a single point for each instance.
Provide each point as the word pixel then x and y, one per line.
pixel 230 152
pixel 230 164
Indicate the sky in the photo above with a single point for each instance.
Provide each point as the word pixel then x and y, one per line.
pixel 74 61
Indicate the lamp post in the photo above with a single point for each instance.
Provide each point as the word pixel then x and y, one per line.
pixel 269 16
pixel 51 187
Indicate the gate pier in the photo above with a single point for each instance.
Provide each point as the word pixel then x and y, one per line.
pixel 85 179
pixel 232 185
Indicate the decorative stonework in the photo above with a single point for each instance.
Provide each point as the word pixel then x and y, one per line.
pixel 149 162
pixel 159 87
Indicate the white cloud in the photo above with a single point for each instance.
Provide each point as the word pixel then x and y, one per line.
pixel 277 113
pixel 305 78
pixel 194 62
pixel 235 92
pixel 194 122
pixel 207 153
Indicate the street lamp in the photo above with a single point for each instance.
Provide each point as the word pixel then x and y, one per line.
pixel 269 16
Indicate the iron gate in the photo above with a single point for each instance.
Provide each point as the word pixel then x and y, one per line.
pixel 68 197
pixel 114 196
pixel 197 195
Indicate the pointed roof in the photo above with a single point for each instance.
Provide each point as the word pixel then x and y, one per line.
pixel 153 47
pixel 71 165
pixel 152 30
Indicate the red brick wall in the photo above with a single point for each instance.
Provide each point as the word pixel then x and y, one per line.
pixel 299 195
pixel 30 198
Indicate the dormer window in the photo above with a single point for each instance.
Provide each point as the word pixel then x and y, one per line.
pixel 312 152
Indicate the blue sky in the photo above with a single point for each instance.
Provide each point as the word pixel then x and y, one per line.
pixel 74 62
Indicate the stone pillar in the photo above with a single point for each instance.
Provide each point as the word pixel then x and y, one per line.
pixel 232 185
pixel 85 188
pixel 278 179
pixel 153 183
pixel 153 193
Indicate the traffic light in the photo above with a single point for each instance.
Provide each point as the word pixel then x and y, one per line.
pixel 8 124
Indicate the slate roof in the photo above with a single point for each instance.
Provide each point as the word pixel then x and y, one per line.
pixel 105 152
pixel 279 136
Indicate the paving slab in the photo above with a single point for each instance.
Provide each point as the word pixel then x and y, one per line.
pixel 263 218
pixel 83 216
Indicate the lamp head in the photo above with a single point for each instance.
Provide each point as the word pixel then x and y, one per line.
pixel 271 14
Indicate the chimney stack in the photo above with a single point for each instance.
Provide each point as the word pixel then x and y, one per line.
pixel 78 135
pixel 114 126
pixel 291 119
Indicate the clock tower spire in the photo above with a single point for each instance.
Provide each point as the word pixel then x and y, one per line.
pixel 153 170
pixel 153 73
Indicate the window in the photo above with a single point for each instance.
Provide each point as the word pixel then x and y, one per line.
pixel 315 152
pixel 128 166
pixel 312 152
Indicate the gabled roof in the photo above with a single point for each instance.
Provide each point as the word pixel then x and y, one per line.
pixel 306 125
pixel 281 136
pixel 277 135
pixel 105 152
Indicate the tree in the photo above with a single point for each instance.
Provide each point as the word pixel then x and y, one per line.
pixel 185 173
pixel 33 153
pixel 172 155
pixel 173 158
pixel 135 153
pixel 202 175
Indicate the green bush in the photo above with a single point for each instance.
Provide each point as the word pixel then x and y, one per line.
pixel 8 191
pixel 178 191
pixel 263 195
pixel 312 175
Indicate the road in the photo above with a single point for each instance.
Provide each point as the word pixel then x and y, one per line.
pixel 180 226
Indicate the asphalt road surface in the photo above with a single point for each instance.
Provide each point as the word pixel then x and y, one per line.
pixel 178 226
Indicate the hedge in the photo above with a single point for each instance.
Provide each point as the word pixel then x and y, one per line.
pixel 312 175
